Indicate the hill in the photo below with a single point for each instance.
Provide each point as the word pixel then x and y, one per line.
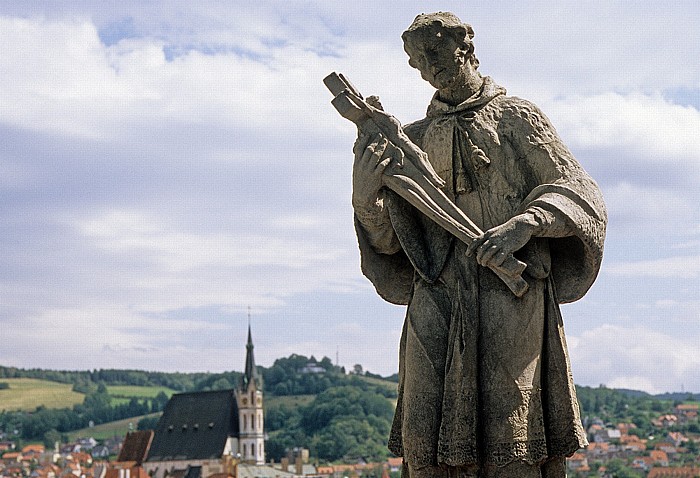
pixel 26 394
pixel 308 403
pixel 111 429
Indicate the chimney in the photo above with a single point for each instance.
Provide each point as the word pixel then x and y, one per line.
pixel 285 464
pixel 299 465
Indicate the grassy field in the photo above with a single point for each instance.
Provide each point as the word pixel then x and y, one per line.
pixel 123 393
pixel 108 430
pixel 289 400
pixel 28 393
pixel 130 391
pixel 382 383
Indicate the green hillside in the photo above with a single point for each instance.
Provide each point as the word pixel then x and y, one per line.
pixel 27 394
pixel 109 430
pixel 124 393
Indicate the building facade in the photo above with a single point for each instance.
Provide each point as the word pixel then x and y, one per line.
pixel 208 433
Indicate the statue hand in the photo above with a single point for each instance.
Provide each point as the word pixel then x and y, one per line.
pixel 371 159
pixel 495 245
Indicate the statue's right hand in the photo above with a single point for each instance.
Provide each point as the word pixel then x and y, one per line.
pixel 371 159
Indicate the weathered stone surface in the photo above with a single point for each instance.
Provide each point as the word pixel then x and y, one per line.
pixel 485 383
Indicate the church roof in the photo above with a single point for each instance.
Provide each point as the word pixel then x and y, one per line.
pixel 195 426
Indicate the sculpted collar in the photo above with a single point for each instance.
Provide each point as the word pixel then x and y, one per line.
pixel 489 90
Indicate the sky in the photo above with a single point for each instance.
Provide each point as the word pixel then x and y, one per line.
pixel 169 168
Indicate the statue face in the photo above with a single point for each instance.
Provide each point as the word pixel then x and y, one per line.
pixel 440 59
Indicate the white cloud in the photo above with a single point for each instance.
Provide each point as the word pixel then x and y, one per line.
pixel 651 210
pixel 141 190
pixel 636 357
pixel 681 267
pixel 648 126
pixel 193 269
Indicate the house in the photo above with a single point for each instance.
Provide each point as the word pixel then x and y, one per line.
pixel 680 472
pixel 206 433
pixel 626 427
pixel 46 471
pixel 598 450
pixel 6 446
pixel 606 435
pixel 34 451
pixel 324 471
pixel 665 421
pixel 395 464
pixel 659 457
pixel 643 463
pixel 82 458
pixel 12 457
pixel 129 463
pixel 687 412
pixel 667 447
pixel 87 443
pixel 262 471
pixel 577 462
pixel 100 451
pixel 312 367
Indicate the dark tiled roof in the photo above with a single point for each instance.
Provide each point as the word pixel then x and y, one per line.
pixel 195 426
pixel 136 445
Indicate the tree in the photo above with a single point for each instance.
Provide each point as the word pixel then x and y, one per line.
pixel 147 423
pixel 52 437
pixel 159 401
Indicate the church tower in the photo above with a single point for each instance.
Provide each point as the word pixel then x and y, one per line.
pixel 251 442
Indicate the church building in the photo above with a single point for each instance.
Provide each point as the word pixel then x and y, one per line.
pixel 207 433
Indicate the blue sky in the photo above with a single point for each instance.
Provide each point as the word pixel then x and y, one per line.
pixel 165 166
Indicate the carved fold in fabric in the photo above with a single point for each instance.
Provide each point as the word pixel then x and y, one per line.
pixel 489 90
pixel 467 157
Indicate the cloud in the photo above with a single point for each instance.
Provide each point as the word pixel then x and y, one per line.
pixel 165 167
pixel 648 210
pixel 649 126
pixel 681 267
pixel 636 357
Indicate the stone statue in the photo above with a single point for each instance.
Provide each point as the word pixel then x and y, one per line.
pixel 485 384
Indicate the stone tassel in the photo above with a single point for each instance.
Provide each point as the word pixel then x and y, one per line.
pixel 462 181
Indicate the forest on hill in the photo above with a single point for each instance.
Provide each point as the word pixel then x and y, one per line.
pixel 341 414
pixel 336 415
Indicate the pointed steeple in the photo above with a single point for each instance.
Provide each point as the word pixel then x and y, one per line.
pixel 251 371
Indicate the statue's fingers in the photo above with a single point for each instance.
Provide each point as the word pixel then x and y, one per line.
pixel 384 163
pixel 360 143
pixel 485 254
pixel 373 143
pixel 379 150
pixel 475 244
pixel 499 258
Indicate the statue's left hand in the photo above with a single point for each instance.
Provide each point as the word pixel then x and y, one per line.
pixel 495 245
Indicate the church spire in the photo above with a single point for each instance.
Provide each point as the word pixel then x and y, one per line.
pixel 251 371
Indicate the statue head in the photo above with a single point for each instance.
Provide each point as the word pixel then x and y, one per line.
pixel 439 45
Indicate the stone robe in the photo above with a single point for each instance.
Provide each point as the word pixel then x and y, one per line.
pixel 485 376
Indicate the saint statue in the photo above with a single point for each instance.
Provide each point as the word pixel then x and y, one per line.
pixel 485 384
